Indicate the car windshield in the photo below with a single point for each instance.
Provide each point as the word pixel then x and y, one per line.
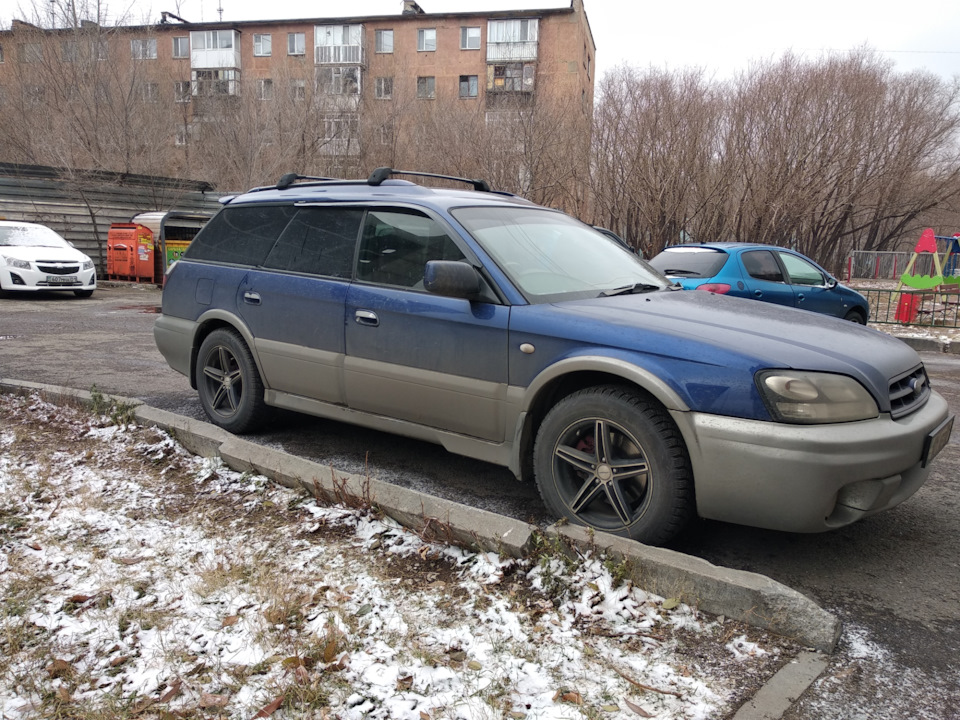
pixel 690 261
pixel 30 236
pixel 550 256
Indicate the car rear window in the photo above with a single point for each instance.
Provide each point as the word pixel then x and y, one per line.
pixel 690 262
pixel 240 235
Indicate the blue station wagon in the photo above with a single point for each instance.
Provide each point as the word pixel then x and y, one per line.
pixel 515 334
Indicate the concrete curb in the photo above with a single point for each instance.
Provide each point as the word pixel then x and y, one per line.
pixel 749 597
pixel 931 345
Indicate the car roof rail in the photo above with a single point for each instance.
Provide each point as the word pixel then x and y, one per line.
pixel 382 173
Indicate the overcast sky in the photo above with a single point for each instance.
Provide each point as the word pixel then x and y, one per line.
pixel 722 37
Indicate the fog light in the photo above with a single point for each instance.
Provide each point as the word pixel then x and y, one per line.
pixel 17 280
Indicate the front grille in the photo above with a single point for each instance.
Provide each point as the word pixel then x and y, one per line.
pixel 909 392
pixel 57 269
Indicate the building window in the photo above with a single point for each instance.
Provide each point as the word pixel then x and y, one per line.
pixel 338 80
pixel 68 51
pixel 30 53
pixel 298 89
pixel 469 86
pixel 102 49
pixel 384 41
pixel 35 94
pixel 511 77
pixel 1 53
pixel 469 38
pixel 262 45
pixel 212 39
pixel 384 88
pixel 215 82
pixel 338 44
pixel 426 88
pixel 512 31
pixel 150 92
pixel 427 40
pixel 296 44
pixel 181 91
pixel 264 89
pixel 143 49
pixel 181 47
pixel 385 133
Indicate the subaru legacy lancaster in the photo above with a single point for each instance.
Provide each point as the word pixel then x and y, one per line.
pixel 515 334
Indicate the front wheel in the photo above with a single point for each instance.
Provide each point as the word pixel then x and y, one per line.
pixel 229 384
pixel 856 316
pixel 610 459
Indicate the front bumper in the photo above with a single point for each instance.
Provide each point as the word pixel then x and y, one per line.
pixel 806 478
pixel 33 280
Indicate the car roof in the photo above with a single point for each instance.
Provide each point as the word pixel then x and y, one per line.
pixel 727 246
pixel 379 187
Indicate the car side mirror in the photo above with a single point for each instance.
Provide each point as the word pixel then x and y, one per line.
pixel 831 282
pixel 452 278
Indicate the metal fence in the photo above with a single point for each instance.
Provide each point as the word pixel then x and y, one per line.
pixel 930 308
pixel 875 265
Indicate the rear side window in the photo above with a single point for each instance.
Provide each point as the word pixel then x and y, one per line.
pixel 240 235
pixel 762 265
pixel 318 241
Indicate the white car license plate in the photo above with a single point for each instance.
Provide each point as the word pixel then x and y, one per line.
pixel 61 279
pixel 937 440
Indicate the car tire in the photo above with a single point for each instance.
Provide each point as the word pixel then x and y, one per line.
pixel 228 382
pixel 651 500
pixel 855 316
pixel 83 293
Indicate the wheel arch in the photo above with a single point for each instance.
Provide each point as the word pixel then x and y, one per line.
pixel 215 320
pixel 573 374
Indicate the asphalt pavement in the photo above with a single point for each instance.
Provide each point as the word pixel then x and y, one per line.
pixel 894 579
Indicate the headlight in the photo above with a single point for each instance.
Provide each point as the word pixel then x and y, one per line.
pixel 14 262
pixel 88 264
pixel 796 396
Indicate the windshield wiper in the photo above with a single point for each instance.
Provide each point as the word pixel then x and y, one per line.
pixel 678 271
pixel 631 289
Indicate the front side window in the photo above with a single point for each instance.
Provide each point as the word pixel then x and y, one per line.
pixel 469 86
pixel 426 88
pixel 240 235
pixel 181 47
pixel 262 44
pixel 469 38
pixel 144 49
pixel 427 40
pixel 800 271
pixel 384 41
pixel 762 265
pixel 296 44
pixel 549 255
pixel 396 246
pixel 318 241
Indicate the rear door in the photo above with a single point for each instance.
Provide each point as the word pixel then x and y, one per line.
pixel 413 355
pixel 294 303
pixel 765 279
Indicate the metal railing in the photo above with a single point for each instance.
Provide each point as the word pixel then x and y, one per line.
pixel 927 308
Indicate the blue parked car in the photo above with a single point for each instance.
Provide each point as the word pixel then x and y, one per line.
pixel 762 272
pixel 515 334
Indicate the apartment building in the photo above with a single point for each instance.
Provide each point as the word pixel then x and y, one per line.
pixel 189 74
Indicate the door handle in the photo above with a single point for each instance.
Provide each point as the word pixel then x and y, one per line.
pixel 758 293
pixel 366 317
pixel 251 298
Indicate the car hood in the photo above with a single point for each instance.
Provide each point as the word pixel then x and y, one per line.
pixel 63 254
pixel 727 332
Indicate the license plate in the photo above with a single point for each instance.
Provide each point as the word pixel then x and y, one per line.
pixel 61 279
pixel 937 440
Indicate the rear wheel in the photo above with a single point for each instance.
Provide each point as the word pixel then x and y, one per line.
pixel 608 458
pixel 229 383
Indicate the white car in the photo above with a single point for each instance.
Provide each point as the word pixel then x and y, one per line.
pixel 34 257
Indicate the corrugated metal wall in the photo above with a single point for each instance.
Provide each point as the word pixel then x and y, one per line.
pixel 81 205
